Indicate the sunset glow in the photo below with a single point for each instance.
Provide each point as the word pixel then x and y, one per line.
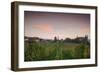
pixel 43 27
pixel 48 25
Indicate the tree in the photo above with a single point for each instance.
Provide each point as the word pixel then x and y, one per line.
pixel 55 38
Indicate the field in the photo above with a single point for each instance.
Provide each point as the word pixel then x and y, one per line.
pixel 38 51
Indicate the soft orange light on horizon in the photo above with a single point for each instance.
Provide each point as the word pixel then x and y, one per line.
pixel 44 27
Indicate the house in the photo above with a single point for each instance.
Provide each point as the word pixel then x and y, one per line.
pixel 31 39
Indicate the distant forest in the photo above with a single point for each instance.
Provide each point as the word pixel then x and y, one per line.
pixel 56 39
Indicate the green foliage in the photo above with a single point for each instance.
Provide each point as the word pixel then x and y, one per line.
pixel 38 51
pixel 81 51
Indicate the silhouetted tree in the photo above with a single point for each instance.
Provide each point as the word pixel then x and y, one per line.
pixel 55 38
pixel 68 40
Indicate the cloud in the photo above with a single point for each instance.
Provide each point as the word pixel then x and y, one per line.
pixel 43 27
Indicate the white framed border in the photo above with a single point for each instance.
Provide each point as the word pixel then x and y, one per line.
pixel 33 64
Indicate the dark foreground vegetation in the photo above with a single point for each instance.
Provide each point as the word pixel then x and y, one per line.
pixel 38 50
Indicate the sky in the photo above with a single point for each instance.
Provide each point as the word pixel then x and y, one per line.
pixel 47 25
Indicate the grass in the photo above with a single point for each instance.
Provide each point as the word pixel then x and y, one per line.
pixel 38 51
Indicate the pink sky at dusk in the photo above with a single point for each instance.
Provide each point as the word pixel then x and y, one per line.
pixel 47 25
pixel 43 27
